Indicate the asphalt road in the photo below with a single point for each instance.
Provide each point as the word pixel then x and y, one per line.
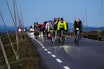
pixel 88 55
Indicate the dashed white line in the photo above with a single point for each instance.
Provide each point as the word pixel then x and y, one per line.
pixel 45 49
pixel 38 41
pixel 66 67
pixel 49 52
pixel 41 44
pixel 33 38
pixel 53 55
pixel 58 60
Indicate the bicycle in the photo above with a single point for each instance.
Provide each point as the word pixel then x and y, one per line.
pixel 36 32
pixel 77 39
pixel 61 37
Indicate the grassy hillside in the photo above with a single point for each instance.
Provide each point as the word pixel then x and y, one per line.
pixel 28 56
pixel 96 35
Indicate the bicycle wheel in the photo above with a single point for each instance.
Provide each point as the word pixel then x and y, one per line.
pixel 63 39
pixel 77 40
pixel 57 39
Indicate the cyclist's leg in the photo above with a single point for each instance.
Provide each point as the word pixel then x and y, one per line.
pixel 47 34
pixel 53 36
pixel 65 32
pixel 62 35
pixel 59 35
pixel 56 37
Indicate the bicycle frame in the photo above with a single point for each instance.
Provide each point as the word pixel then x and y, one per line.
pixel 59 37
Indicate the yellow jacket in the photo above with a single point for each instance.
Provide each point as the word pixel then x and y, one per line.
pixel 62 25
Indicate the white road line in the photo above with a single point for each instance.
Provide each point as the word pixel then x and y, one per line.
pixel 45 49
pixel 66 67
pixel 58 60
pixel 49 52
pixel 38 41
pixel 41 44
pixel 53 55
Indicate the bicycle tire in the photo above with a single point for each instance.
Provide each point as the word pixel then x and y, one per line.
pixel 63 39
pixel 77 40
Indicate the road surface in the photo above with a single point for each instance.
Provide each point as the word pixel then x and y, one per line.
pixel 88 55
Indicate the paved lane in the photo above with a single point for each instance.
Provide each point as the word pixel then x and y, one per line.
pixel 89 55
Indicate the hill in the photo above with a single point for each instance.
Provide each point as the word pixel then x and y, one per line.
pixel 10 28
pixel 70 29
pixel 84 27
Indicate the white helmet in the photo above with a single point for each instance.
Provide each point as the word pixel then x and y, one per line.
pixel 77 20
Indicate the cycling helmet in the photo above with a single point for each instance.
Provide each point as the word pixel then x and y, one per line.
pixel 77 20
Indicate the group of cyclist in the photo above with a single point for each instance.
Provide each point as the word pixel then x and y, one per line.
pixel 55 27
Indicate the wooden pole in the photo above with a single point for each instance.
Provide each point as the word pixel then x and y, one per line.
pixel 22 21
pixel 4 54
pixel 17 40
pixel 19 20
pixel 8 34
pixel 15 24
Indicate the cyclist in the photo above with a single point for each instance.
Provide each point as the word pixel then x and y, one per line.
pixel 48 27
pixel 43 27
pixel 77 24
pixel 31 29
pixel 62 26
pixel 36 29
pixel 56 23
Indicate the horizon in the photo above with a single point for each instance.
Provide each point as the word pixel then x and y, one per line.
pixel 40 11
pixel 12 28
pixel 67 22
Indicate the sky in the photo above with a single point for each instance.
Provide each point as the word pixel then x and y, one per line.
pixel 89 11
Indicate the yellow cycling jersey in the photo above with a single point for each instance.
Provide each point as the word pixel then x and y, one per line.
pixel 62 25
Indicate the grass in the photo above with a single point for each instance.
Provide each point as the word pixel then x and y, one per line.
pixel 28 56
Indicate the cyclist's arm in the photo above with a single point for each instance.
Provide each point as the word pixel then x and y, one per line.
pixel 65 26
pixel 58 26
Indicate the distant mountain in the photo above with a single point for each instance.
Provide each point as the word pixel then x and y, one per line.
pixel 84 27
pixel 10 28
pixel 27 28
pixel 92 28
pixel 70 29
